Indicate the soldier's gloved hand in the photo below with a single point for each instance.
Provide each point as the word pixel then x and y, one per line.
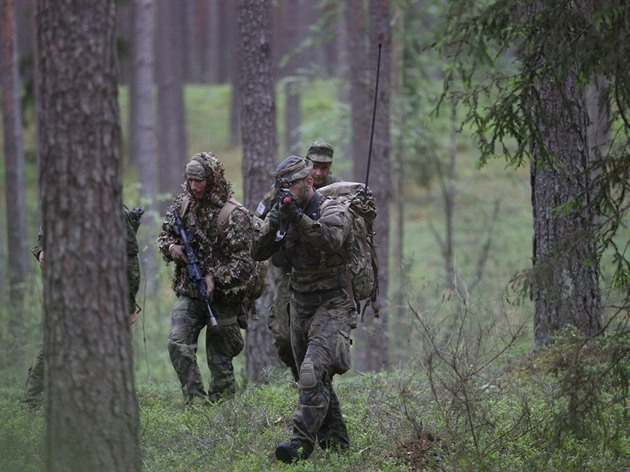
pixel 177 253
pixel 291 212
pixel 274 217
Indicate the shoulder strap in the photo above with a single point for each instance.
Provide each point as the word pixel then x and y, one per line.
pixel 224 215
pixel 183 208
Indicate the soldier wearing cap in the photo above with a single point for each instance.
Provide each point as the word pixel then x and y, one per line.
pixel 320 153
pixel 227 268
pixel 316 249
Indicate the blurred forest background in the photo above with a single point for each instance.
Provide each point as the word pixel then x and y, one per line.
pixel 449 217
pixel 499 163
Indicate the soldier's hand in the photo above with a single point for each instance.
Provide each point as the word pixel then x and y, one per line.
pixel 177 253
pixel 291 212
pixel 210 284
pixel 274 217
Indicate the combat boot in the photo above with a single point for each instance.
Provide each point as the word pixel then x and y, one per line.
pixel 292 452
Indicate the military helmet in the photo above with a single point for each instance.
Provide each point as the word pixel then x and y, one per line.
pixel 320 151
pixel 293 168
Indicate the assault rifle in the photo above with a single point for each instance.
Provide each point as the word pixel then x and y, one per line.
pixel 192 265
pixel 284 197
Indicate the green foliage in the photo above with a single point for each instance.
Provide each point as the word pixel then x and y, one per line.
pixel 559 409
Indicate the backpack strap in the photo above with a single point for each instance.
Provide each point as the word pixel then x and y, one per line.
pixel 183 208
pixel 224 215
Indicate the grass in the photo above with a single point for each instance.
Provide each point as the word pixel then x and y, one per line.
pixel 515 416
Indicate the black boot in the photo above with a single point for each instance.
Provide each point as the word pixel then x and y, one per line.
pixel 292 452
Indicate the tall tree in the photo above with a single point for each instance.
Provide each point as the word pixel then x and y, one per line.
pixel 172 143
pixel 374 332
pixel 91 407
pixel 295 54
pixel 358 77
pixel 562 48
pixel 142 118
pixel 14 173
pixel 566 285
pixel 259 138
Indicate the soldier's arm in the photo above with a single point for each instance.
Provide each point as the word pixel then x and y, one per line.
pixel 330 231
pixel 237 267
pixel 263 243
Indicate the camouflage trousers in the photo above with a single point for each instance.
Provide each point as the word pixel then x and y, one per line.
pixel 278 321
pixel 33 393
pixel 223 343
pixel 320 334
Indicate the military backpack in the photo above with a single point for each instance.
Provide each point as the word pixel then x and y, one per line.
pixel 361 204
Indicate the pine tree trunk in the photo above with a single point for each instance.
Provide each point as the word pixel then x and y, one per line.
pixel 172 146
pixel 259 138
pixel 142 124
pixel 15 188
pixel 91 407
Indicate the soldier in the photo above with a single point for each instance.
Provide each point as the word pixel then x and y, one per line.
pixel 320 153
pixel 34 387
pixel 227 267
pixel 316 248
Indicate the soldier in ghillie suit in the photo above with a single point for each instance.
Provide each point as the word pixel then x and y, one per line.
pixel 32 396
pixel 316 247
pixel 226 265
pixel 320 153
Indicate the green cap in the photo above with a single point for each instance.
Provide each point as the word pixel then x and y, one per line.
pixel 320 151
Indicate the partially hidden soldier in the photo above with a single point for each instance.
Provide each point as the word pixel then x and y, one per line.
pixel 226 265
pixel 320 153
pixel 32 396
pixel 316 248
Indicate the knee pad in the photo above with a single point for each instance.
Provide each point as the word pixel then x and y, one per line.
pixel 307 375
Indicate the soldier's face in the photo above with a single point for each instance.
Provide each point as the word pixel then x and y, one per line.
pixel 301 190
pixel 198 188
pixel 320 173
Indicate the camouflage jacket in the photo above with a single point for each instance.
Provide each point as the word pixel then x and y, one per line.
pixel 227 259
pixel 317 248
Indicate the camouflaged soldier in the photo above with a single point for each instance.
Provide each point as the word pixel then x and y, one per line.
pixel 32 396
pixel 227 267
pixel 316 247
pixel 320 153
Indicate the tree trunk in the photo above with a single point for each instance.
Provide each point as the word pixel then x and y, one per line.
pixel 142 123
pixel 373 335
pixel 358 77
pixel 91 407
pixel 566 267
pixel 14 179
pixel 295 29
pixel 171 113
pixel 258 130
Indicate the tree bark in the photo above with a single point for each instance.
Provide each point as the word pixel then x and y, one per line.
pixel 373 336
pixel 15 188
pixel 358 78
pixel 259 138
pixel 90 402
pixel 566 267
pixel 173 148
pixel 142 123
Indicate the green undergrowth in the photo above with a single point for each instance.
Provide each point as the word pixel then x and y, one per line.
pixel 562 408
